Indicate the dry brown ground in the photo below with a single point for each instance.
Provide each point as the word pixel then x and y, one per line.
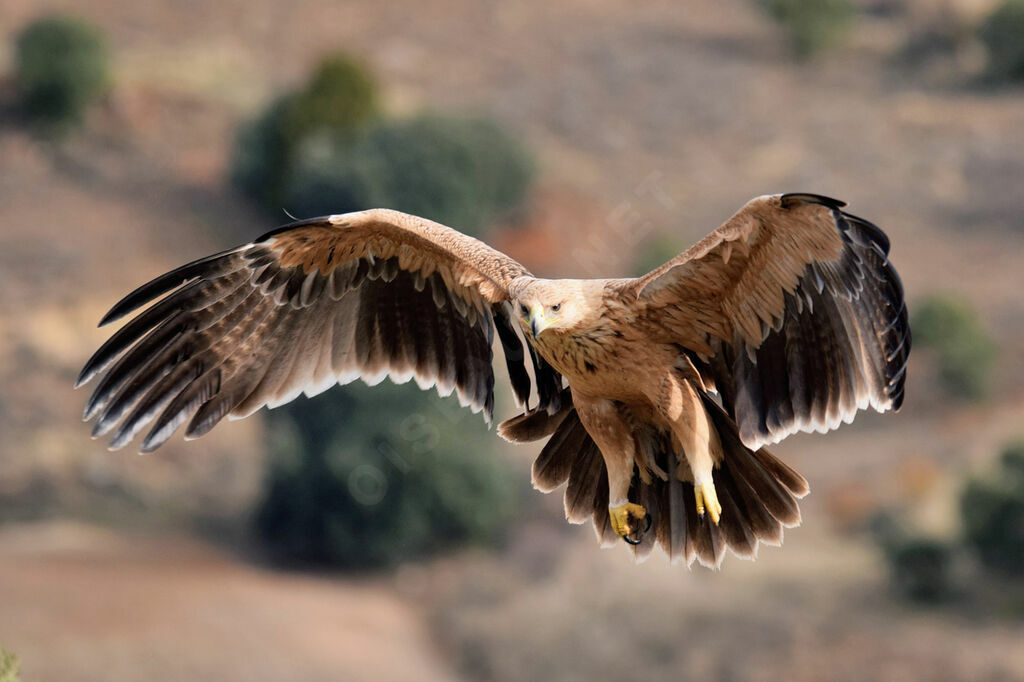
pixel 816 609
pixel 78 603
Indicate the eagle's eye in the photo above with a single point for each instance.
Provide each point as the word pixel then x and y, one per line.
pixel 556 307
pixel 523 310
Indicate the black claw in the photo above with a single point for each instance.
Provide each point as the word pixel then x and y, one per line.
pixel 640 534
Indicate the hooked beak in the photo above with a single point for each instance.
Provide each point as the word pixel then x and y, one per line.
pixel 537 320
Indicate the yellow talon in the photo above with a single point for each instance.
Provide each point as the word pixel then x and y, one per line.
pixel 707 499
pixel 622 515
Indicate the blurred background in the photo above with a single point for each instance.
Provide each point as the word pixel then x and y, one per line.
pixel 386 535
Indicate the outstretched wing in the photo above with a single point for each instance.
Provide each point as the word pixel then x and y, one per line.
pixel 319 302
pixel 796 310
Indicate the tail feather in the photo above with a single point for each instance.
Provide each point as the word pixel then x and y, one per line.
pixel 783 473
pixel 692 523
pixel 735 522
pixel 765 527
pixel 758 493
pixel 672 533
pixel 602 521
pixel 587 471
pixel 775 498
pixel 747 465
pixel 709 544
pixel 552 467
pixel 535 424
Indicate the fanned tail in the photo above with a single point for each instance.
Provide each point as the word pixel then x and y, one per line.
pixel 758 492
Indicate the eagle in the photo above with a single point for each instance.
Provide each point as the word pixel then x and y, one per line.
pixel 657 395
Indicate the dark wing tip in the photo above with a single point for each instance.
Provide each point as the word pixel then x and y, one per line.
pixel 84 376
pixel 791 199
pixel 874 231
pixel 149 291
pixel 121 308
pixel 211 266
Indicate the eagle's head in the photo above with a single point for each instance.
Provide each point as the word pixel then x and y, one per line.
pixel 552 305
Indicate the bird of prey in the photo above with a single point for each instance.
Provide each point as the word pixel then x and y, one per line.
pixel 657 394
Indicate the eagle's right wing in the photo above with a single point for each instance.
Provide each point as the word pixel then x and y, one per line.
pixel 316 303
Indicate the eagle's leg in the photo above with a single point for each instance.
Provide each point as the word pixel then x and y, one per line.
pixel 614 438
pixel 679 403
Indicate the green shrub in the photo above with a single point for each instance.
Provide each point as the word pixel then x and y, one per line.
pixel 10 669
pixel 463 172
pixel 62 66
pixel 992 510
pixel 1003 36
pixel 920 568
pixel 964 352
pixel 262 156
pixel 1012 459
pixel 812 25
pixel 364 478
pixel 340 97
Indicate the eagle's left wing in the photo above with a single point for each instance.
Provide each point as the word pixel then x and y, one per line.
pixel 795 308
pixel 324 301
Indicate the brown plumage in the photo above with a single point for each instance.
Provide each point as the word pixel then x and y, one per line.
pixel 656 394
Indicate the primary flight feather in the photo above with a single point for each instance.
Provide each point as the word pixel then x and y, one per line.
pixel 657 394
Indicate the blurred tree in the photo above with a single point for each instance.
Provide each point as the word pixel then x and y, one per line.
pixel 1003 36
pixel 61 67
pixel 992 510
pixel 812 25
pixel 1012 459
pixel 964 352
pixel 340 97
pixel 920 567
pixel 10 668
pixel 463 172
pixel 365 477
